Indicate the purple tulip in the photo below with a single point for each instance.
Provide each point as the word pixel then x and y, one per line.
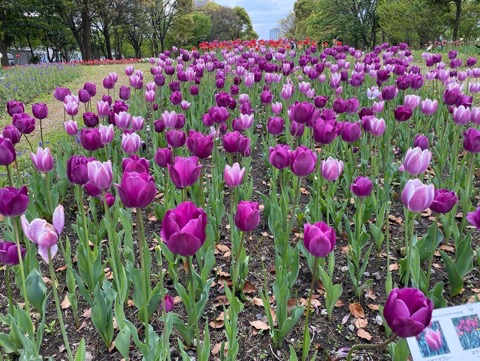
pixel 92 191
pixel 303 161
pixel 319 239
pixel 247 216
pixel 325 132
pixel 83 96
pixel 443 201
pixel 275 125
pixel 13 201
pixel 77 171
pixel 461 115
pixel 416 196
pixel 331 168
pixel 184 172
pixel 280 156
pixel 91 88
pixel 233 175
pixel 471 61
pixel 103 108
pixel 40 110
pixel 137 123
pixel 169 303
pixel 110 198
pixel 23 122
pixel 407 311
pixel 402 113
pixel 44 234
pixel 130 143
pixel 377 126
pixel 472 217
pixel 12 133
pixel 163 156
pixel 421 142
pixel 297 129
pixel 100 174
pixel 15 107
pixel 452 93
pixel 320 101
pixel 106 133
pixel 135 164
pixel 90 119
pixel 361 187
pixel 471 140
pixel 159 126
pixel 7 152
pixel 123 120
pixel 175 138
pixel 124 92
pixel 184 229
pixel 389 92
pixel 412 101
pixel 351 132
pixel 71 107
pixel 43 160
pixel 90 139
pixel 71 127
pixel 235 142
pixel 176 97
pixel 200 145
pixel 266 97
pixel 60 93
pixel 9 253
pixel 136 190
pixel 417 160
pixel 301 112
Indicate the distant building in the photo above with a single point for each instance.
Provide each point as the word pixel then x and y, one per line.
pixel 274 34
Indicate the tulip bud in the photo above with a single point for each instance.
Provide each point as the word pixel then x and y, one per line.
pixel 361 187
pixel 43 160
pixel 416 196
pixel 319 239
pixel 233 175
pixel 247 216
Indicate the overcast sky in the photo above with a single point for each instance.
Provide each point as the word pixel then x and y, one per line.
pixel 263 13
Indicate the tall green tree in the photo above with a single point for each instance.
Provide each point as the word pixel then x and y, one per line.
pixel 287 25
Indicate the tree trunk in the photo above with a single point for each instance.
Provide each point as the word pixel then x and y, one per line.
pixel 108 43
pixel 456 24
pixel 86 35
pixel 3 42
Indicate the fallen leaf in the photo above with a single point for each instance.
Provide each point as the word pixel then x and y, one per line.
pixel 221 301
pixel 397 220
pixel 393 267
pixel 345 318
pixel 130 303
pixel 373 307
pixel 257 301
pixel 447 248
pixel 361 323
pixel 177 300
pixel 339 303
pixel 87 313
pixel 216 349
pixel 259 325
pixel 371 294
pixel 249 288
pixel 221 248
pixel 62 268
pixel 111 347
pixel 65 303
pixel 364 334
pixel 356 310
pixel 82 326
pixel 216 324
pixel 47 281
pixel 427 213
pixel 152 218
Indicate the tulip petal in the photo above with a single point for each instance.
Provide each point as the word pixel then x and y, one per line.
pixel 184 244
pixel 59 218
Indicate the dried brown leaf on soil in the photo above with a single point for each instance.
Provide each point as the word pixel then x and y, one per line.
pixel 356 310
pixel 65 303
pixel 259 325
pixel 364 334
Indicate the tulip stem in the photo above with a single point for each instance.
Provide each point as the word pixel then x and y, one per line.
pixel 20 260
pixel 19 178
pixel 466 199
pixel 49 192
pixel 142 245
pixel 57 306
pixel 236 269
pixel 193 305
pixel 9 176
pixel 306 343
pixel 41 134
pixel 369 346
pixel 84 216
pixel 409 226
pixel 9 289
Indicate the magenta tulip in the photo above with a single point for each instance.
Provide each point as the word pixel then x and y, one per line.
pixel 130 143
pixel 7 151
pixel 407 311
pixel 184 229
pixel 13 201
pixel 184 172
pixel 9 253
pixel 361 187
pixel 77 171
pixel 280 156
pixel 471 140
pixel 24 123
pixel 136 190
pixel 331 168
pixel 247 216
pixel 163 157
pixel 319 239
pixel 135 164
pixel 71 127
pixel 303 161
pixel 417 160
pixel 100 174
pixel 200 145
pixel 443 201
pixel 40 110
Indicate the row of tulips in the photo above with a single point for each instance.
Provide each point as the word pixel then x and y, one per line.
pixel 184 186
